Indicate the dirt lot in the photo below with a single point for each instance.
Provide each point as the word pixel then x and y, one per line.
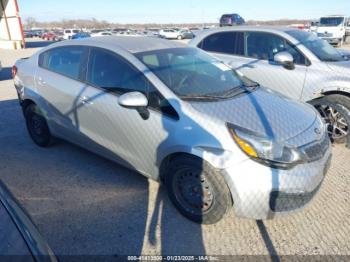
pixel 84 204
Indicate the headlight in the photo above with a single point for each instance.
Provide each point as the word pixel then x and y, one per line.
pixel 265 150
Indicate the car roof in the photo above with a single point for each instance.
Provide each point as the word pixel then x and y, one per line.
pixel 132 44
pixel 271 29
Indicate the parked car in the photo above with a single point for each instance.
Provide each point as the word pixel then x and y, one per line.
pixel 185 34
pixel 333 29
pixel 20 239
pixel 177 114
pixel 28 34
pixel 94 31
pixel 37 32
pixel 291 61
pixel 231 20
pixel 103 33
pixel 313 26
pixel 152 32
pixel 117 30
pixel 49 36
pixel 169 33
pixel 68 33
pixel 81 35
pixel 53 36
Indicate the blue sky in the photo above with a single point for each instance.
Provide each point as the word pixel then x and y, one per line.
pixel 179 11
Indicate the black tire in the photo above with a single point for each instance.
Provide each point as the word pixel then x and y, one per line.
pixel 37 126
pixel 197 190
pixel 341 105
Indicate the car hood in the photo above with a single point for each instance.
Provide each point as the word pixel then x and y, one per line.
pixel 264 112
pixel 342 67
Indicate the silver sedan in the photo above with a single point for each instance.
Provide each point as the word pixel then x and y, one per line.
pixel 177 115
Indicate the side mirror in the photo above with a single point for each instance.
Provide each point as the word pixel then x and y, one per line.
pixel 285 59
pixel 135 100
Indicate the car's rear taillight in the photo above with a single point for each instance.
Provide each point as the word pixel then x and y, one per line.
pixel 14 71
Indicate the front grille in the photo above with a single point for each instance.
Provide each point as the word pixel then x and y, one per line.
pixel 325 35
pixel 316 150
pixel 283 202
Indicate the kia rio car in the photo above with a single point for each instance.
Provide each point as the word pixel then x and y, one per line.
pixel 177 115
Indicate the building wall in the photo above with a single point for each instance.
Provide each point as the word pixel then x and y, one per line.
pixel 10 24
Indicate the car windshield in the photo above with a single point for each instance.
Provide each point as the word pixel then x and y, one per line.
pixel 322 49
pixel 192 74
pixel 331 21
pixel 226 19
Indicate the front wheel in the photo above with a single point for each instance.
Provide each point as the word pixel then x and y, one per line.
pixel 179 37
pixel 197 190
pixel 335 110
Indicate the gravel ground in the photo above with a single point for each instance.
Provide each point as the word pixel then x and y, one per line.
pixel 84 204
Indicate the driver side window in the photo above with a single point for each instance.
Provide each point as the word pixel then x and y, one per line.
pixel 265 46
pixel 111 72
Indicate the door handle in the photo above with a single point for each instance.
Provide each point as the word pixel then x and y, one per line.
pixel 86 100
pixel 41 81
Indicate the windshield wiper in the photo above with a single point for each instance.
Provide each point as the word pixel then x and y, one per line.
pixel 201 97
pixel 235 91
pixel 251 85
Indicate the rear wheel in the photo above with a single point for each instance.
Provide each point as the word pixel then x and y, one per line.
pixel 335 110
pixel 197 190
pixel 37 126
pixel 179 37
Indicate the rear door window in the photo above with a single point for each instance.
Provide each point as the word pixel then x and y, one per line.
pixel 64 60
pixel 225 42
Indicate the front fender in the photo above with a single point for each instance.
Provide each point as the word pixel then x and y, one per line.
pixel 217 157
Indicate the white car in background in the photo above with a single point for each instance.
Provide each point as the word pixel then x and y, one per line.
pixel 68 33
pixel 105 33
pixel 169 33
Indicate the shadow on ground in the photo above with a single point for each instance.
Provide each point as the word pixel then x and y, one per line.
pixel 82 203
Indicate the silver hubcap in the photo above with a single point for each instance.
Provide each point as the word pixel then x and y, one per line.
pixel 337 125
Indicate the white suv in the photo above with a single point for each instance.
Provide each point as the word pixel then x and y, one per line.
pixel 68 33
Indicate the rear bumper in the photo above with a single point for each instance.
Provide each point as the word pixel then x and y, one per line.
pixel 261 192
